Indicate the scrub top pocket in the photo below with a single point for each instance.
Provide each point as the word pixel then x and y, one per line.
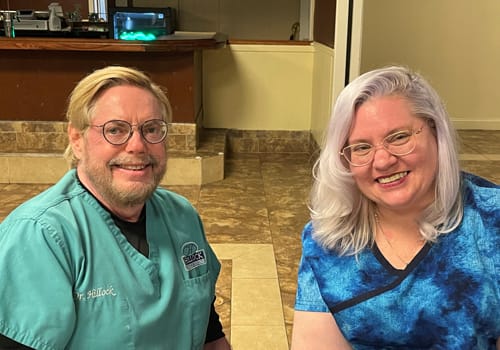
pixel 104 322
pixel 199 291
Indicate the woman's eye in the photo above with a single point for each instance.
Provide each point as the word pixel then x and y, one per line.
pixel 400 137
pixel 361 148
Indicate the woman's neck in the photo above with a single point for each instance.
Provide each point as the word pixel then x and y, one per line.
pixel 398 237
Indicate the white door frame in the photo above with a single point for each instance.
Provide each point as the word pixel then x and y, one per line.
pixel 348 32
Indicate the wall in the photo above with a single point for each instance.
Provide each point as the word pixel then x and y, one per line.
pixel 324 22
pixel 455 44
pixel 43 5
pixel 240 19
pixel 266 87
pixel 258 87
pixel 322 90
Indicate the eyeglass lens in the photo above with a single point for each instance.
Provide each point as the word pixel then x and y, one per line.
pixel 118 132
pixel 398 144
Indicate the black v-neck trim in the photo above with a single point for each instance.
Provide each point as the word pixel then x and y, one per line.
pixel 399 275
pixel 411 266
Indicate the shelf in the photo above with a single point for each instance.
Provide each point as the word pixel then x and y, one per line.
pixel 168 44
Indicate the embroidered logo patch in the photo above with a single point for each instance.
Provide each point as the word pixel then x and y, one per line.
pixel 192 256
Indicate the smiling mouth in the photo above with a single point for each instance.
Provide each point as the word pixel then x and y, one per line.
pixel 132 167
pixel 392 178
pixel 133 163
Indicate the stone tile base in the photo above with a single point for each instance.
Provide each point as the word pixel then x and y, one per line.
pixel 194 170
pixel 32 168
pixel 269 141
pixel 51 137
pixel 32 151
pixel 49 168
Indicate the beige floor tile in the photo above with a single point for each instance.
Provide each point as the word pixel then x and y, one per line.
pixel 256 302
pixel 259 338
pixel 249 260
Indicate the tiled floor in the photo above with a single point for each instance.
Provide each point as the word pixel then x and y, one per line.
pixel 254 218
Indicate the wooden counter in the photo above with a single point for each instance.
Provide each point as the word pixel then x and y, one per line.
pixel 172 43
pixel 38 74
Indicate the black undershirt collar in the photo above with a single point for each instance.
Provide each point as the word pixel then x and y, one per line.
pixel 135 232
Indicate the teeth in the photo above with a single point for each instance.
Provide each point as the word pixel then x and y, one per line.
pixel 133 167
pixel 392 178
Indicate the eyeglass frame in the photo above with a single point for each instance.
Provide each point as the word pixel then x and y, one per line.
pixel 131 130
pixel 383 144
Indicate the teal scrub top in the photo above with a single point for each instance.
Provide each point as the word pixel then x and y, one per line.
pixel 70 279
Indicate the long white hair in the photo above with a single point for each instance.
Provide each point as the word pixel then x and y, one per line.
pixel 342 217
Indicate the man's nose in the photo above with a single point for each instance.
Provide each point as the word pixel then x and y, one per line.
pixel 136 141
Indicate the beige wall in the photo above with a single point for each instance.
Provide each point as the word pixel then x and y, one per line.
pixel 322 90
pixel 454 43
pixel 258 87
pixel 239 19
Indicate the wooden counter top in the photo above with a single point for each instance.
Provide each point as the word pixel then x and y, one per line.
pixel 171 43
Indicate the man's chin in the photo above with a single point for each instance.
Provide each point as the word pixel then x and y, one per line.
pixel 132 191
pixel 133 197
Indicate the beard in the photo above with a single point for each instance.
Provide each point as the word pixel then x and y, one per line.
pixel 119 194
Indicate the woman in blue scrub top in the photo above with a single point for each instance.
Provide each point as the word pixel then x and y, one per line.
pixel 402 251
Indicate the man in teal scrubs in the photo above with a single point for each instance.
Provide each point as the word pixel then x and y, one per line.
pixel 105 258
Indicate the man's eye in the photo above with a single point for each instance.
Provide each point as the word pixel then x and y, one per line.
pixel 152 130
pixel 115 130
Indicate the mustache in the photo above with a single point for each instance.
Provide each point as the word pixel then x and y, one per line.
pixel 146 160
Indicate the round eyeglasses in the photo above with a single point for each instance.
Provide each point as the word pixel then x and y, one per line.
pixel 118 132
pixel 400 143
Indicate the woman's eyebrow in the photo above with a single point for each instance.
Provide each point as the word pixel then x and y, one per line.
pixel 389 133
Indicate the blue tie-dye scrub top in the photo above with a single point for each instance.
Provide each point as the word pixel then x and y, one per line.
pixel 447 298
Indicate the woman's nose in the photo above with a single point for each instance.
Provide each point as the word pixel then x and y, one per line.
pixel 382 158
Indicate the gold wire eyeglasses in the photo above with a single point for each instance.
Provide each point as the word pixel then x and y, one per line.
pixel 399 143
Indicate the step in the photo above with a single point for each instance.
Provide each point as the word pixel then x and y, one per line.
pixel 48 168
pixel 184 166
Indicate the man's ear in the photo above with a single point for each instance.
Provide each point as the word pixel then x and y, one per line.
pixel 76 140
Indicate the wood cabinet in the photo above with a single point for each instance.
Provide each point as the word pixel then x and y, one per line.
pixel 38 74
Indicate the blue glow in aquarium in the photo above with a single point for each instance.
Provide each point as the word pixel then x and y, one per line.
pixel 137 36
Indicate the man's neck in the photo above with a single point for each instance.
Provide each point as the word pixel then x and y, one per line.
pixel 130 213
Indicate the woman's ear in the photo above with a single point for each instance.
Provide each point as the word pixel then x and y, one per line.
pixel 75 140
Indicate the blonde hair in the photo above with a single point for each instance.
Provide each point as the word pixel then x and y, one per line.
pixel 342 217
pixel 84 96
